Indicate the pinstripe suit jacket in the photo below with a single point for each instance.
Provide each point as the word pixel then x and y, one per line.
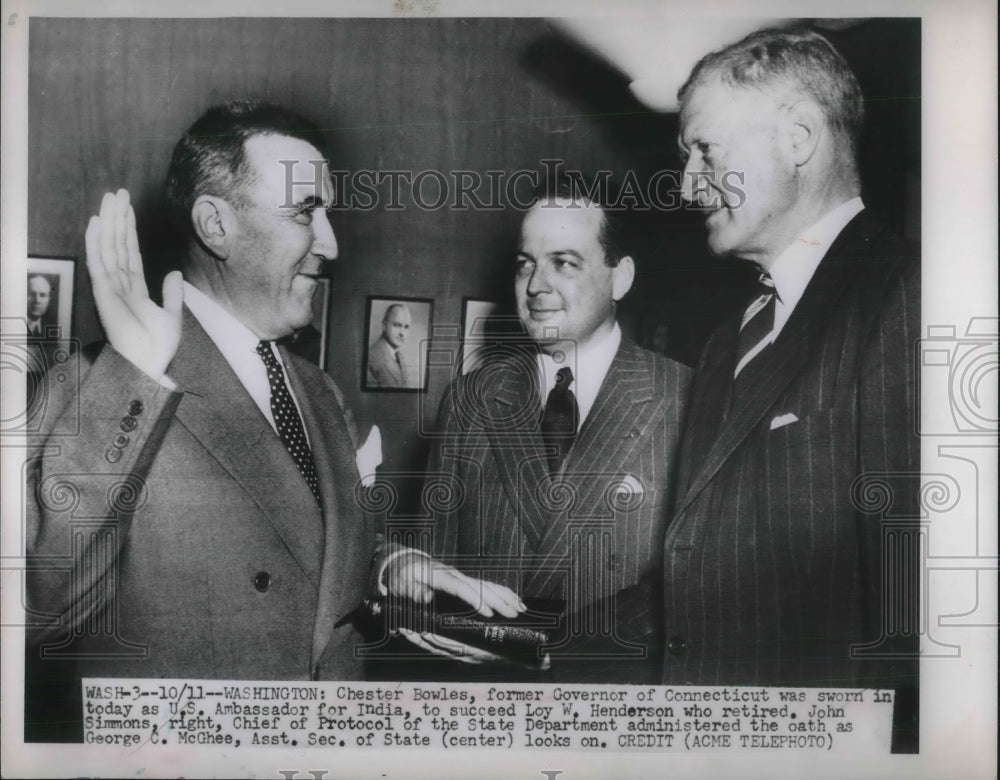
pixel 598 525
pixel 771 569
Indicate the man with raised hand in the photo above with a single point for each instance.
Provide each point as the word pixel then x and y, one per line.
pixel 202 523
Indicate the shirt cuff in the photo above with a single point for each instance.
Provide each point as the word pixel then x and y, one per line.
pixel 382 589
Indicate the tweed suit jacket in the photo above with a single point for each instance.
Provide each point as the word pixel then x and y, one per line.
pixel 590 532
pixel 177 523
pixel 773 562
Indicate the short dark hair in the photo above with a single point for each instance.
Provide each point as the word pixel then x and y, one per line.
pixel 210 158
pixel 580 189
pixel 799 58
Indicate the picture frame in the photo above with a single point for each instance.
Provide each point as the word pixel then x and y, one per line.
pixel 49 312
pixel 395 350
pixel 311 342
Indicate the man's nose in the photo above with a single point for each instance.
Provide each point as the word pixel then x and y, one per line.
pixel 324 241
pixel 687 180
pixel 539 281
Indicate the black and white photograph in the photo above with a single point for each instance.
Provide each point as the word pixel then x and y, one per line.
pixel 596 392
pixel 50 297
pixel 398 339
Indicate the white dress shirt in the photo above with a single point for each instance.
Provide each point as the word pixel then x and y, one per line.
pixel 590 367
pixel 238 346
pixel 795 267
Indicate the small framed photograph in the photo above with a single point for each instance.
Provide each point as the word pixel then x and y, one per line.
pixel 396 347
pixel 50 297
pixel 311 342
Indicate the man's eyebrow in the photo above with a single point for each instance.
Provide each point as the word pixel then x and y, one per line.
pixel 570 252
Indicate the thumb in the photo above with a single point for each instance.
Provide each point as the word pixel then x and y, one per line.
pixel 173 292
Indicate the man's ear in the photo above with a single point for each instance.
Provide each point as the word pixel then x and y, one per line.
pixel 622 276
pixel 214 222
pixel 805 126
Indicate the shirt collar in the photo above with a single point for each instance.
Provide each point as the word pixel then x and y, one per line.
pixel 593 360
pixel 230 335
pixel 795 267
pixel 238 345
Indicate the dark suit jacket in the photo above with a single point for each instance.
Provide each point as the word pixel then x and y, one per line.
pixel 589 534
pixel 173 535
pixel 773 562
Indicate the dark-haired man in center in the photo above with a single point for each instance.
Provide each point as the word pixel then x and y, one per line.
pixel 565 452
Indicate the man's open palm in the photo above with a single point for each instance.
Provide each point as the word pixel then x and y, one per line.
pixel 142 332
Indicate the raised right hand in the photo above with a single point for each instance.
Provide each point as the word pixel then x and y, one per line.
pixel 142 332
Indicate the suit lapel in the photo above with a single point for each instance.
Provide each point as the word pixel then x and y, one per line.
pixel 515 413
pixel 623 410
pixel 334 458
pixel 217 410
pixel 779 364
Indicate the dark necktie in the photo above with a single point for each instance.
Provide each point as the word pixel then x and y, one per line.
pixel 287 420
pixel 559 420
pixel 758 322
pixel 402 370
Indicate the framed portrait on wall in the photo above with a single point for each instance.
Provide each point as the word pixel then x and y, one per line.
pixel 311 342
pixel 398 335
pixel 50 297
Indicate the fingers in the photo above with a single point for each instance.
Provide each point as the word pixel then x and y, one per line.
pixel 173 292
pixel 502 599
pixel 486 597
pixel 457 651
pixel 134 257
pixel 109 249
pixel 122 209
pixel 452 581
pixel 93 241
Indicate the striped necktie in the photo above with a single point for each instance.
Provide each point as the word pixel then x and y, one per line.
pixel 758 322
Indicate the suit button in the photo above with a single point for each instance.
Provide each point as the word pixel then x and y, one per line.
pixel 262 581
pixel 128 424
pixel 135 408
pixel 121 440
pixel 113 455
pixel 676 645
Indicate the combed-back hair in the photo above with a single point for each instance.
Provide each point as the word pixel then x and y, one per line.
pixel 799 60
pixel 595 191
pixel 210 158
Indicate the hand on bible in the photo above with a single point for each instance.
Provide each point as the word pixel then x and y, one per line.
pixel 142 332
pixel 417 576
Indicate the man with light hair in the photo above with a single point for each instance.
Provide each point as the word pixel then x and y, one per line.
pixel 775 572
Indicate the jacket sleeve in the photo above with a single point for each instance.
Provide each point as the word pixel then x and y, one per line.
pixel 85 483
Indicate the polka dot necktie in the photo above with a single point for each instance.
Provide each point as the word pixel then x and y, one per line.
pixel 287 420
